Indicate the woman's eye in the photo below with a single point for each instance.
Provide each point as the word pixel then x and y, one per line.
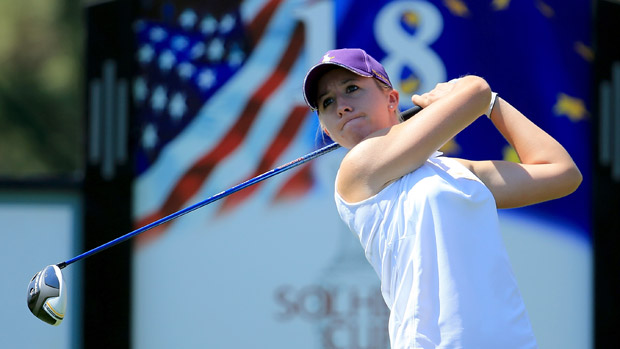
pixel 327 102
pixel 352 88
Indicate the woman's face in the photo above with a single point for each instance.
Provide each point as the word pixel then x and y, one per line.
pixel 351 107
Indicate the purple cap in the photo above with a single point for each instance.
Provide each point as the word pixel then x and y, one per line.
pixel 354 59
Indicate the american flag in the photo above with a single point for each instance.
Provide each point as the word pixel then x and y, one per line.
pixel 218 98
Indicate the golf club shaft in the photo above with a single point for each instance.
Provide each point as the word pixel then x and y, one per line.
pixel 406 115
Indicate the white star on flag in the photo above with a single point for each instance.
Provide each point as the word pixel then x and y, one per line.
pixel 159 99
pixel 208 25
pixel 206 79
pixel 227 23
pixel 216 49
pixel 149 137
pixel 177 106
pixel 167 60
pixel 179 43
pixel 145 54
pixel 198 50
pixel 186 70
pixel 235 57
pixel 188 19
pixel 140 90
pixel 158 34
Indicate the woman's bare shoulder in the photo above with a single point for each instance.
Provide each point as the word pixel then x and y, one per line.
pixel 357 176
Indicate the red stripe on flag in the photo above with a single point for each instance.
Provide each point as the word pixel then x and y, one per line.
pixel 280 143
pixel 259 23
pixel 192 180
pixel 298 185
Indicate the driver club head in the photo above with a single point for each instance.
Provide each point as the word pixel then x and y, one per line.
pixel 47 295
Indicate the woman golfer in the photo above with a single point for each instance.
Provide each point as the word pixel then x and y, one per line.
pixel 428 223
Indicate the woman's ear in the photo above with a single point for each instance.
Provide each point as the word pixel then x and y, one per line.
pixel 393 98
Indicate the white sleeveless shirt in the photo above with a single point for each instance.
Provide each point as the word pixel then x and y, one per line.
pixel 433 237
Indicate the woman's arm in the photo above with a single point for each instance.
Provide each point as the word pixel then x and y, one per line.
pixel 392 152
pixel 546 170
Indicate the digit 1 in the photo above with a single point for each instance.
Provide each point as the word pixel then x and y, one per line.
pixel 320 35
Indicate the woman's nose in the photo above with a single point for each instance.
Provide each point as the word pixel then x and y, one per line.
pixel 344 108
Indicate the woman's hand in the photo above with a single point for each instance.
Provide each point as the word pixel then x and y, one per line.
pixel 440 90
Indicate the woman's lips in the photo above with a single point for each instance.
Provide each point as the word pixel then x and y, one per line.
pixel 351 119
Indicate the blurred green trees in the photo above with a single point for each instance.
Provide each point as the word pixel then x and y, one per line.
pixel 41 88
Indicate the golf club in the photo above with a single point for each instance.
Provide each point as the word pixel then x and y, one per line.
pixel 47 292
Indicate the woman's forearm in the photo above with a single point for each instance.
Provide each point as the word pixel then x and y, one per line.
pixel 533 145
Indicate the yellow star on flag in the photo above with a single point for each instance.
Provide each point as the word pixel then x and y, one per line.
pixel 499 5
pixel 509 154
pixel 410 85
pixel 451 147
pixel 412 19
pixel 584 51
pixel 545 9
pixel 457 7
pixel 573 108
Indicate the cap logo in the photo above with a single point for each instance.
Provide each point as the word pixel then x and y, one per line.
pixel 327 58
